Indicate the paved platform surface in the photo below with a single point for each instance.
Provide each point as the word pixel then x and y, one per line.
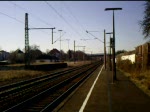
pixel 120 96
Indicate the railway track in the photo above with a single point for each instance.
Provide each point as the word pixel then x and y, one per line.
pixel 43 93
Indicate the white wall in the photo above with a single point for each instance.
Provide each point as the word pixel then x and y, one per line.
pixel 130 57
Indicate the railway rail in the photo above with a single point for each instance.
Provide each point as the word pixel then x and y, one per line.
pixel 43 93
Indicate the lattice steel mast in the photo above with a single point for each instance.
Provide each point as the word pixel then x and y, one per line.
pixel 27 58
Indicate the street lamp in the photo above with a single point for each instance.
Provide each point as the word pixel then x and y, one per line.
pixel 110 46
pixel 114 65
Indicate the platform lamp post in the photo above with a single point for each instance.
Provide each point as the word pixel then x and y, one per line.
pixel 110 46
pixel 60 43
pixel 113 53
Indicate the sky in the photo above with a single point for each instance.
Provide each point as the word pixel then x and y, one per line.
pixel 74 18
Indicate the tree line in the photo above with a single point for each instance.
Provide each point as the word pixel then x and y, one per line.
pixel 35 53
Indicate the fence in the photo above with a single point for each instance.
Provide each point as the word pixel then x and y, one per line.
pixel 143 55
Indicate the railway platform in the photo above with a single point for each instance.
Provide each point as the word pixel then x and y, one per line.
pixel 99 94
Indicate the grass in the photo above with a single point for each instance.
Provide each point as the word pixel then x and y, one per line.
pixel 78 63
pixel 69 63
pixel 17 74
pixel 142 81
pixel 6 75
pixel 140 77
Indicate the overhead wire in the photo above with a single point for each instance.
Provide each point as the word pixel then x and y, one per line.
pixel 36 17
pixel 17 20
pixel 69 10
pixel 62 18
pixel 11 17
pixel 14 18
pixel 71 15
pixel 33 15
pixel 75 18
pixel 96 37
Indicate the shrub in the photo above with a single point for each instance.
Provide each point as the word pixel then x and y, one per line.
pixel 128 66
pixel 138 75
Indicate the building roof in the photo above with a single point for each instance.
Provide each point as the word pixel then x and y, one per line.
pixel 18 51
pixel 2 51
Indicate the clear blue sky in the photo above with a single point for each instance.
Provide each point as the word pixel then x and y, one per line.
pixel 74 18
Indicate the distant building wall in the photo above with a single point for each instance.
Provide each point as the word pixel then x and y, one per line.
pixel 140 56
pixel 129 57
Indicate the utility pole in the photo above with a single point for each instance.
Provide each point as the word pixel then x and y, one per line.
pixel 52 34
pixel 111 40
pixel 27 53
pixel 110 49
pixel 104 50
pixel 74 51
pixel 113 49
pixel 27 56
pixel 111 46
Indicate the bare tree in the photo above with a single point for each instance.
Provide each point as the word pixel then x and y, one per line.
pixel 34 52
pixel 145 23
pixel 16 56
pixel 70 54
